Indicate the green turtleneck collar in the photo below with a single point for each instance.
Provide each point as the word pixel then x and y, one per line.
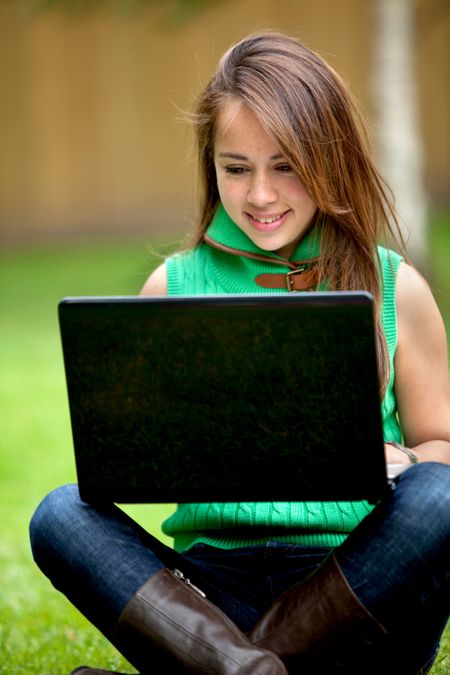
pixel 226 234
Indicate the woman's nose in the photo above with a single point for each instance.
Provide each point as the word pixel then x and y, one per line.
pixel 262 191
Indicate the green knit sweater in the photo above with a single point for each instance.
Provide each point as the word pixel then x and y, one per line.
pixel 221 266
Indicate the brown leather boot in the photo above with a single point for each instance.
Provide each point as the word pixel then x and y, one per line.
pixel 169 621
pixel 318 616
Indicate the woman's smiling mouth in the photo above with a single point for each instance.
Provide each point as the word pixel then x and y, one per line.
pixel 267 223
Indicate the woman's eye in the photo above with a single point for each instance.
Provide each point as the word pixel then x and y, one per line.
pixel 284 168
pixel 235 170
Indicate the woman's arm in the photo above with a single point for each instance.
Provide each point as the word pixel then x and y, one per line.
pixel 156 284
pixel 421 371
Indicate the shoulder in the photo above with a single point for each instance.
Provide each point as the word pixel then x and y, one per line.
pixel 419 319
pixel 156 284
pixel 413 295
pixel 171 275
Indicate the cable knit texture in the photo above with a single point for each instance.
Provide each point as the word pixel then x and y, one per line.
pixel 209 270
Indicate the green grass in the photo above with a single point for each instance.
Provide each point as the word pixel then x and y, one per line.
pixel 40 632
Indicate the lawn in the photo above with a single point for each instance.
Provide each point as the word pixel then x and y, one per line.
pixel 39 631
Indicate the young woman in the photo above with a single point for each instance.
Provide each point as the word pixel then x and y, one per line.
pixel 287 186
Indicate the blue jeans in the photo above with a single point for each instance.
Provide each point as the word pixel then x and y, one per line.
pixel 396 561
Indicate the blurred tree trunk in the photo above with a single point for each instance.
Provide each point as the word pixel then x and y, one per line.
pixel 400 153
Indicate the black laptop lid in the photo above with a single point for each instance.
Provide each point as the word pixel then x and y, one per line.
pixel 224 398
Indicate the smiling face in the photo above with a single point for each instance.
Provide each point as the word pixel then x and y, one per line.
pixel 257 186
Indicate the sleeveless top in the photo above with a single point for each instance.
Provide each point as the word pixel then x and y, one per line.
pixel 220 265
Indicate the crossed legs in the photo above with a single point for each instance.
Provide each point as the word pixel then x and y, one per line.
pixel 395 563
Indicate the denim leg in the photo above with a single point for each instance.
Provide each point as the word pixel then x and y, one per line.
pixel 397 562
pixel 245 582
pixel 97 557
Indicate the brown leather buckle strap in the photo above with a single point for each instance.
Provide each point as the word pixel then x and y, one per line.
pixel 300 279
pixel 303 275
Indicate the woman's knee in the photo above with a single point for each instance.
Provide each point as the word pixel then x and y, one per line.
pixel 423 499
pixel 51 521
pixel 427 484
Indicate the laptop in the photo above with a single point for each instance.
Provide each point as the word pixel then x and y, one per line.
pixel 224 398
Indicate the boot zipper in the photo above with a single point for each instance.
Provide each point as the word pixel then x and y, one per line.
pixel 179 575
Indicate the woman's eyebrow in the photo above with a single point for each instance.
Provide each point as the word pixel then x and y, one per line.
pixel 235 155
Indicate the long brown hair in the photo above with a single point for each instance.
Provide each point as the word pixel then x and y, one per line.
pixel 312 117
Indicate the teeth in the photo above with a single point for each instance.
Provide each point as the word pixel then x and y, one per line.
pixel 267 221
